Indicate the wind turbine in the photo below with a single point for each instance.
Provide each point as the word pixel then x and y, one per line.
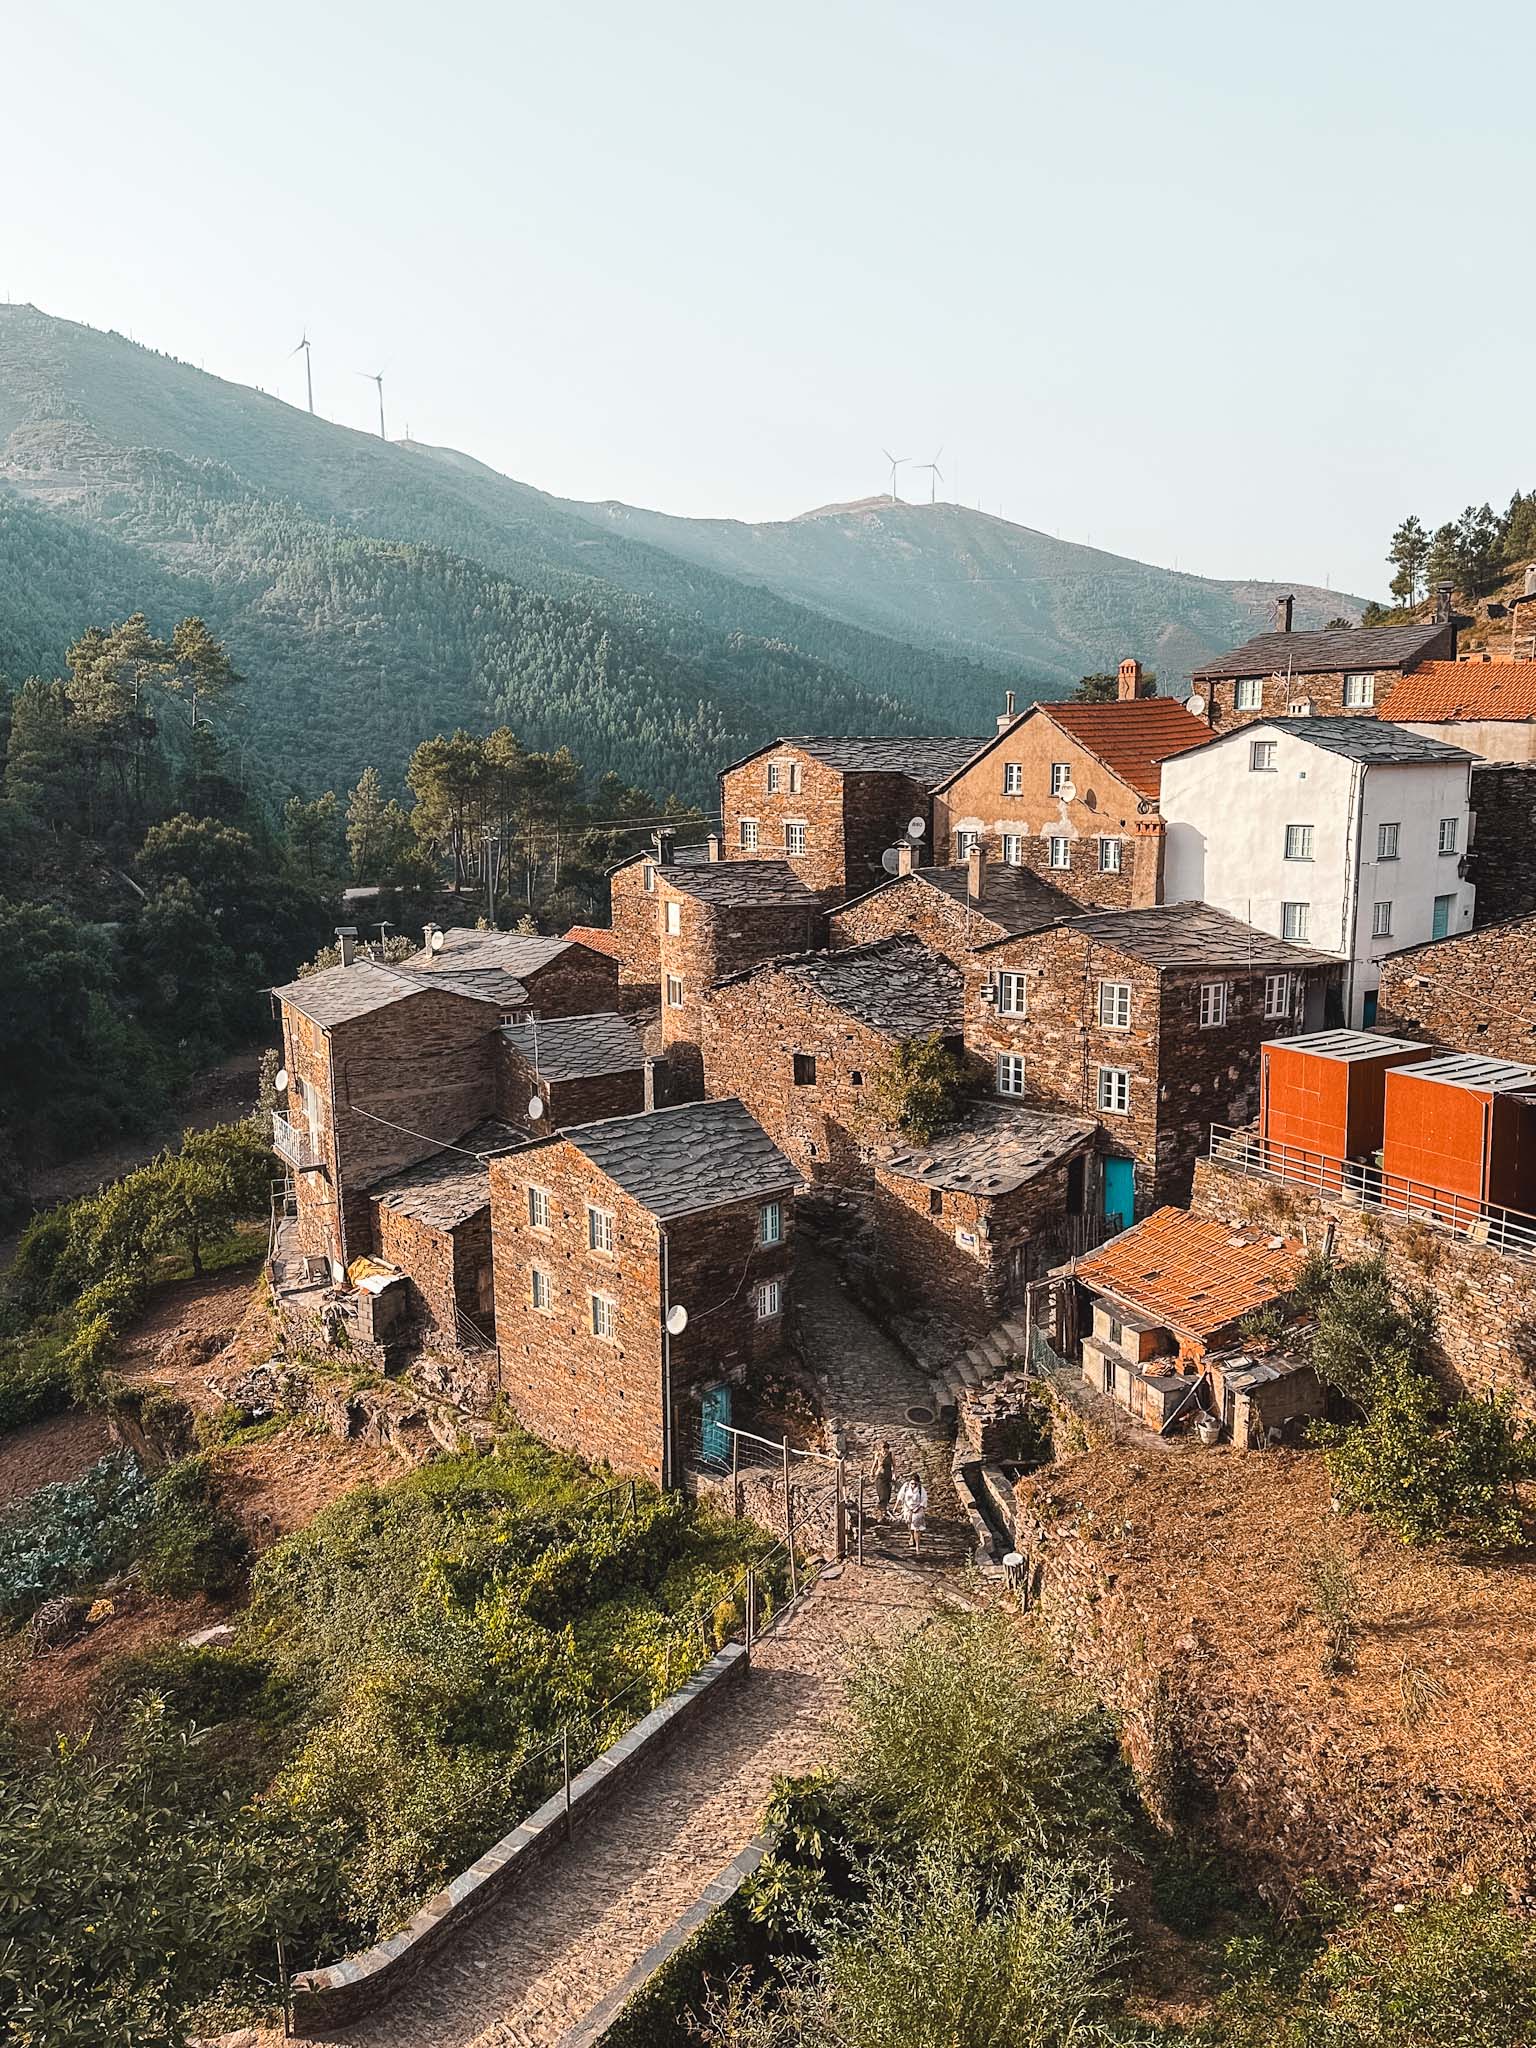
pixel 309 379
pixel 895 461
pixel 376 377
pixel 935 474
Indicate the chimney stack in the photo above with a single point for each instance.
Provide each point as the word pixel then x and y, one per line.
pixel 428 933
pixel 976 871
pixel 1530 579
pixel 1443 595
pixel 1284 607
pixel 713 843
pixel 1129 686
pixel 649 1097
pixel 906 858
pixel 1008 713
pixel 346 938
pixel 665 841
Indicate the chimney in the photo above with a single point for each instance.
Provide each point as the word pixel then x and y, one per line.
pixel 665 841
pixel 428 933
pixel 976 871
pixel 1129 686
pixel 1284 607
pixel 1443 594
pixel 346 938
pixel 1008 713
pixel 1530 580
pixel 906 858
pixel 1148 850
pixel 649 1097
pixel 713 843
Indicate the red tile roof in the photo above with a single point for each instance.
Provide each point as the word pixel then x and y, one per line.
pixel 598 937
pixel 1131 739
pixel 1463 689
pixel 1191 1273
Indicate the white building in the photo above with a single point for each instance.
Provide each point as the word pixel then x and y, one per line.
pixel 1345 834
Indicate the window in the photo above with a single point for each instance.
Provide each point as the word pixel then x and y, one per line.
pixel 1261 757
pixel 538 1208
pixel 604 1312
pixel 773 778
pixel 794 777
pixel 1248 694
pixel 966 844
pixel 1013 778
pixel 1386 842
pixel 1110 851
pixel 1359 690
pixel 856 1078
pixel 1444 907
pixel 1060 851
pixel 599 1229
pixel 804 1067
pixel 749 835
pixel 1115 1005
pixel 1298 842
pixel 1381 921
pixel 674 991
pixel 648 877
pixel 935 1201
pixel 1213 1004
pixel 1294 920
pixel 1061 775
pixel 1011 997
pixel 1010 1073
pixel 1013 850
pixel 770 1223
pixel 1277 995
pixel 674 919
pixel 1115 1089
pixel 541 1290
pixel 770 1299
pixel 794 836
pixel 1447 835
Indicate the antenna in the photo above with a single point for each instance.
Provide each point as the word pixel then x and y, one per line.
pixel 376 377
pixel 935 474
pixel 309 377
pixel 895 461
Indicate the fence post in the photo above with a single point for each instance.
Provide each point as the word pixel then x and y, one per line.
pixel 565 1760
pixel 859 1532
pixel 789 1524
pixel 736 1474
pixel 283 1988
pixel 842 1511
pixel 751 1606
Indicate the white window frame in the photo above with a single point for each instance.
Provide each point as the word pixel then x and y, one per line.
pixel 1248 693
pixel 1010 1073
pixel 793 778
pixel 1111 857
pixel 673 918
pixel 675 992
pixel 770 1223
pixel 1295 922
pixel 1113 1091
pixel 539 1207
pixel 541 1290
pixel 1213 1004
pixel 1298 842
pixel 966 843
pixel 1061 774
pixel 602 1316
pixel 1012 993
pixel 1359 689
pixel 1115 1005
pixel 1381 920
pixel 1277 996
pixel 1063 864
pixel 771 782
pixel 748 835
pixel 1013 849
pixel 770 1300
pixel 1013 778
pixel 599 1230
pixel 1261 757
pixel 648 877
pixel 1450 833
pixel 1386 841
pixel 794 835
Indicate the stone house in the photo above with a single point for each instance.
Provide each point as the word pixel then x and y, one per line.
pixel 1486 705
pixel 833 807
pixel 1343 673
pixel 601 1235
pixel 528 975
pixel 1475 992
pixel 432 1222
pixel 579 1069
pixel 1501 866
pixel 635 917
pixel 1163 1336
pixel 1149 1021
pixel 966 1220
pixel 1071 791
pixel 802 1041
pixel 951 909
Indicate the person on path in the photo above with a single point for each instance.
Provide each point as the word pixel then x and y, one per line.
pixel 885 1479
pixel 912 1507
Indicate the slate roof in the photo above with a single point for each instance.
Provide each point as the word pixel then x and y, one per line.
pixel 897 985
pixel 925 758
pixel 574 1048
pixel 1447 690
pixel 699 1155
pixel 1191 1273
pixel 1014 900
pixel 995 1150
pixel 1353 648
pixel 449 1187
pixel 338 994
pixel 742 881
pixel 513 953
pixel 1371 740
pixel 1169 935
pixel 683 856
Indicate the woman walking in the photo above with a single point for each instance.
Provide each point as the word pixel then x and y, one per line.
pixel 885 1479
pixel 912 1507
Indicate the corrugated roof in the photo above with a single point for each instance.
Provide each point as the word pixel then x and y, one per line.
pixel 1190 1273
pixel 897 985
pixel 575 1048
pixel 993 1151
pixel 1439 691
pixel 1353 648
pixel 449 1187
pixel 1132 739
pixel 1371 740
pixel 1347 1045
pixel 1472 1070
pixel 1168 935
pixel 733 882
pixel 699 1155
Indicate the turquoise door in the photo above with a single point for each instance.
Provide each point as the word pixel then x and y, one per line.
pixel 1444 905
pixel 1120 1190
pixel 714 1435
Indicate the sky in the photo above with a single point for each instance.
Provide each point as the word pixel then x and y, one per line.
pixel 1227 288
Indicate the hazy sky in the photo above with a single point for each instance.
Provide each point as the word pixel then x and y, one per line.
pixel 1216 284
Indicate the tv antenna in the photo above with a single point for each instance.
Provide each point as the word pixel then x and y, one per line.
pixel 895 461
pixel 376 377
pixel 309 376
pixel 935 474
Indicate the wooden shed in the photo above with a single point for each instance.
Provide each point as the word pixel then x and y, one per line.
pixel 1323 1096
pixel 1461 1132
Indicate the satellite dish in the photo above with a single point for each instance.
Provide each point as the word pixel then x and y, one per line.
pixel 1068 792
pixel 280 1080
pixel 1197 707
pixel 437 942
pixel 888 860
pixel 915 828
pixel 535 1106
pixel 677 1319
pixel 338 1272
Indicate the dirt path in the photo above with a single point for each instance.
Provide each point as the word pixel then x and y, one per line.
pixel 58 1447
pixel 533 1967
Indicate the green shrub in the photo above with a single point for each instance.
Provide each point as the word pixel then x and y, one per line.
pixel 34 1378
pixel 920 1088
pixel 191 1545
pixel 65 1534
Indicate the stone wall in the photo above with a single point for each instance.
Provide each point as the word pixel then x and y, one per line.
pixel 576 983
pixel 1475 992
pixel 817 804
pixel 912 905
pixel 449 1269
pixel 1502 861
pixel 633 919
pixel 584 1100
pixel 1325 692
pixel 717 939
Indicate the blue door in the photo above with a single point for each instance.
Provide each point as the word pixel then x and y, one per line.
pixel 1368 1009
pixel 1444 905
pixel 1120 1190
pixel 714 1434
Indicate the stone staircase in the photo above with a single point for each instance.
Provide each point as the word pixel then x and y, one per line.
pixel 961 1371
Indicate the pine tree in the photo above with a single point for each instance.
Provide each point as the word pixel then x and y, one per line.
pixel 1409 555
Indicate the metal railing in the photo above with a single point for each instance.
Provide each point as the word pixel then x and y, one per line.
pixel 296 1146
pixel 468 1334
pixel 1362 1186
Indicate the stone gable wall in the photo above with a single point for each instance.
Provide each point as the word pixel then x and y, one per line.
pixel 633 918
pixel 576 983
pixel 1472 993
pixel 818 804
pixel 585 1100
pixel 1502 861
pixel 717 940
pixel 909 905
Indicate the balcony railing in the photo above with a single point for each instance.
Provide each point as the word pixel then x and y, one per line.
pixel 1361 1186
pixel 292 1144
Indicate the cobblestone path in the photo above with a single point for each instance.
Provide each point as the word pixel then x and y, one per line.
pixel 531 1968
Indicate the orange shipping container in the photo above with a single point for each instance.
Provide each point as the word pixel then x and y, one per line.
pixel 1322 1095
pixel 1462 1129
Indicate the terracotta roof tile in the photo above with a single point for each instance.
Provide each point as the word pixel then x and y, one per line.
pixel 1449 690
pixel 1190 1273
pixel 598 937
pixel 1131 739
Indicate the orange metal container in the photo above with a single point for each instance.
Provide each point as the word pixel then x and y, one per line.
pixel 1460 1132
pixel 1322 1095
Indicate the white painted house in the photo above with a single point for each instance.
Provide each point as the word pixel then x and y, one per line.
pixel 1345 834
